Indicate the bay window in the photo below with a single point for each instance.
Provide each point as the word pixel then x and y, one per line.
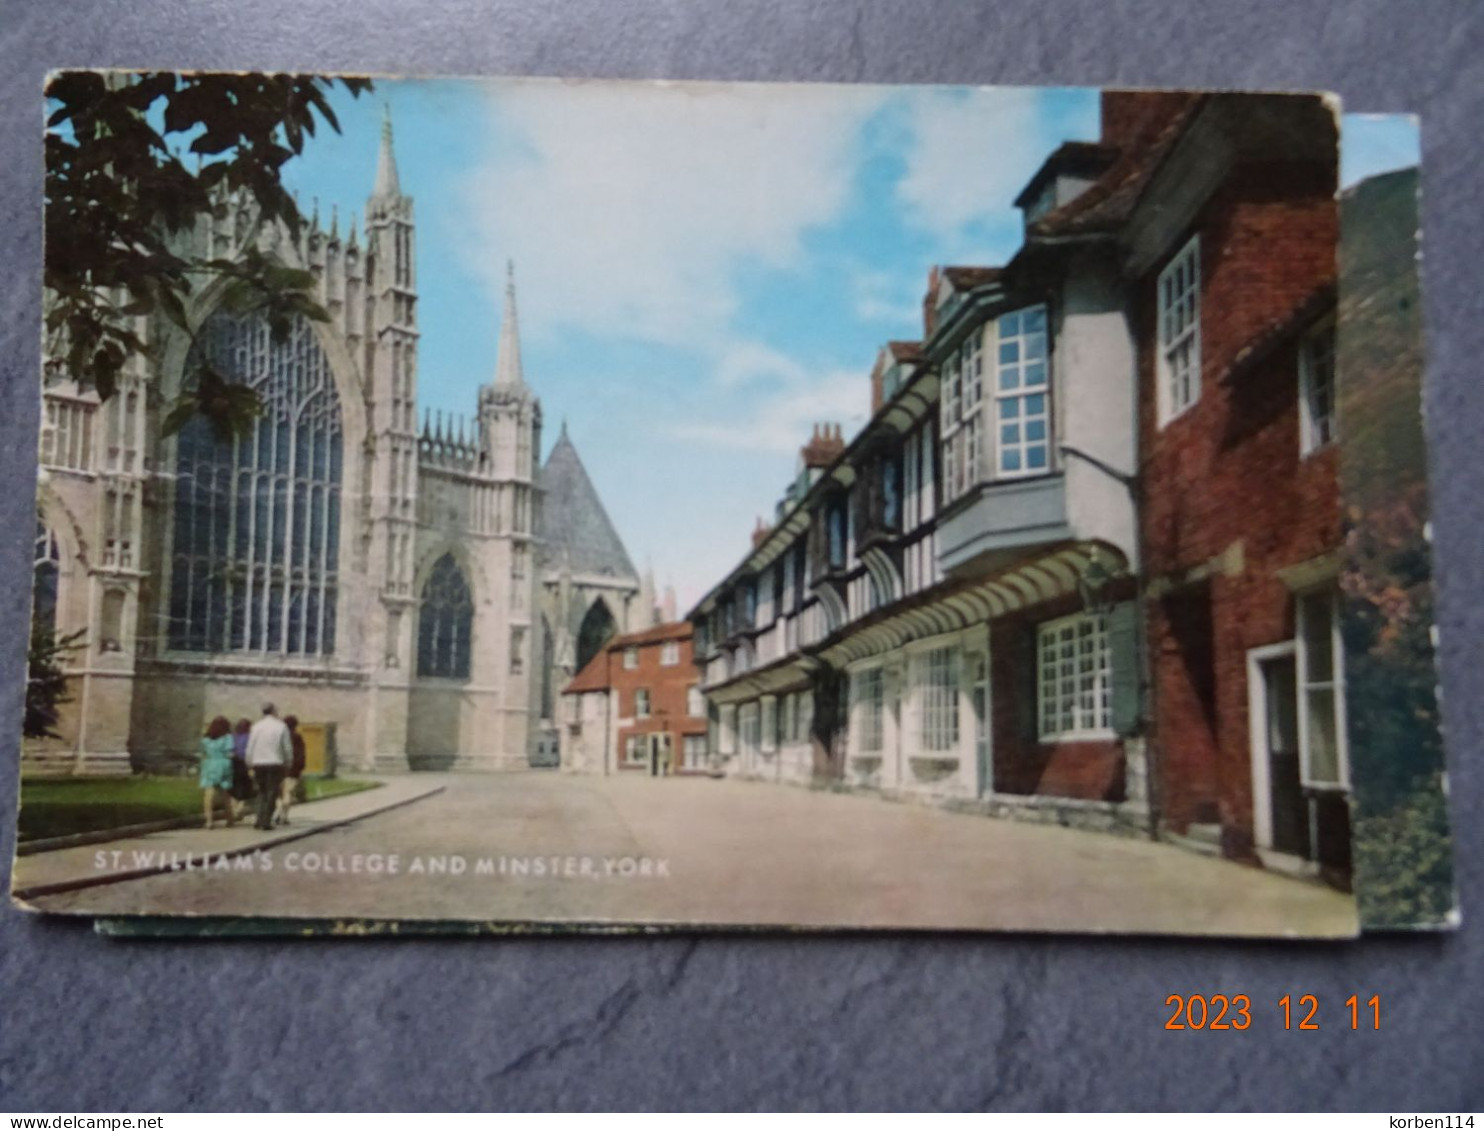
pixel 962 423
pixel 1004 432
pixel 1022 395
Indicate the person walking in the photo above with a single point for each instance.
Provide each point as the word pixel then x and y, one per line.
pixel 270 752
pixel 295 770
pixel 216 769
pixel 241 775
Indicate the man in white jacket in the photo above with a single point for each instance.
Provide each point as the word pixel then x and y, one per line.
pixel 269 751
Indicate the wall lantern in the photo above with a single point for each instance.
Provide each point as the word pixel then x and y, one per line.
pixel 1095 585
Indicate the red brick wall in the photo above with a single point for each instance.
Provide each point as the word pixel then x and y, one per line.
pixel 667 687
pixel 1229 471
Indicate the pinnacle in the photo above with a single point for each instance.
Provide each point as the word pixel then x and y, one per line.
pixel 387 184
pixel 508 373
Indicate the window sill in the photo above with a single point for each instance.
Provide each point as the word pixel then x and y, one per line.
pixel 931 768
pixel 1072 736
pixel 1331 787
pixel 1166 421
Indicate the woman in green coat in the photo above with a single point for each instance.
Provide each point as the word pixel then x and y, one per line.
pixel 216 769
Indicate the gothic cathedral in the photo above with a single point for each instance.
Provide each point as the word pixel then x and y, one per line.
pixel 422 590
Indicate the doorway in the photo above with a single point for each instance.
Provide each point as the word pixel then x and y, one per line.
pixel 661 753
pixel 1281 817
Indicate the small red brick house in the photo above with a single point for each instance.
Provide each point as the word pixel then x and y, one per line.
pixel 636 707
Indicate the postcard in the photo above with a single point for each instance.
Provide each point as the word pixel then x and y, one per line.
pixel 488 504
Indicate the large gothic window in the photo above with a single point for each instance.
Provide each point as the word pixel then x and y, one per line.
pixel 597 628
pixel 257 519
pixel 446 620
pixel 46 571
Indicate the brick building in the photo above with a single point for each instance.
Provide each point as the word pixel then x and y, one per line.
pixel 1080 563
pixel 636 706
pixel 1232 303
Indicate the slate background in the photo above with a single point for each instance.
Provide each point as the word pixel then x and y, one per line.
pixel 764 1022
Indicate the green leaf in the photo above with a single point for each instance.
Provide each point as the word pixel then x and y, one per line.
pixel 180 414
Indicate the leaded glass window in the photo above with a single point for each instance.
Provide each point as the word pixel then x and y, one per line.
pixel 1180 332
pixel 868 690
pixel 257 518
pixel 46 572
pixel 1022 404
pixel 1323 756
pixel 1317 389
pixel 1075 678
pixel 445 623
pixel 935 674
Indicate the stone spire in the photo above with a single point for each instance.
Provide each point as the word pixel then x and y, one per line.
pixel 647 609
pixel 508 375
pixel 387 185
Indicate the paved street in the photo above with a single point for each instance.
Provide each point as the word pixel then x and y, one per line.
pixel 544 846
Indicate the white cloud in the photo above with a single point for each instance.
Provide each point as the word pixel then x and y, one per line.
pixel 888 298
pixel 782 421
pixel 970 153
pixel 629 209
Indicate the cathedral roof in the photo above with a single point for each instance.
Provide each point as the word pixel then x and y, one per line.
pixel 575 528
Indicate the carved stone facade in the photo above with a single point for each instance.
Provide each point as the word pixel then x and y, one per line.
pixel 355 565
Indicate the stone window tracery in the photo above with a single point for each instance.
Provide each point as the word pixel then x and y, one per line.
pixel 46 573
pixel 446 622
pixel 257 519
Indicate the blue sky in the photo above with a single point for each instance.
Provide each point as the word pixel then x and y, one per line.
pixel 703 272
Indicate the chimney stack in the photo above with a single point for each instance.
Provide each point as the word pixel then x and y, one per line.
pixel 930 305
pixel 760 532
pixel 824 446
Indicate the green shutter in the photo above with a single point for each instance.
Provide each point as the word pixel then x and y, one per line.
pixel 1027 668
pixel 1124 666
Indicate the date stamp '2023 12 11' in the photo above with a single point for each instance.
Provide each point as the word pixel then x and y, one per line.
pixel 1220 1011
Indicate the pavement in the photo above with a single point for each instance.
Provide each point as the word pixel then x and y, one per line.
pixel 550 847
pixel 182 849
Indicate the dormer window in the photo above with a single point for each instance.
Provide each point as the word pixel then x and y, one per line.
pixel 891 381
pixel 1041 203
